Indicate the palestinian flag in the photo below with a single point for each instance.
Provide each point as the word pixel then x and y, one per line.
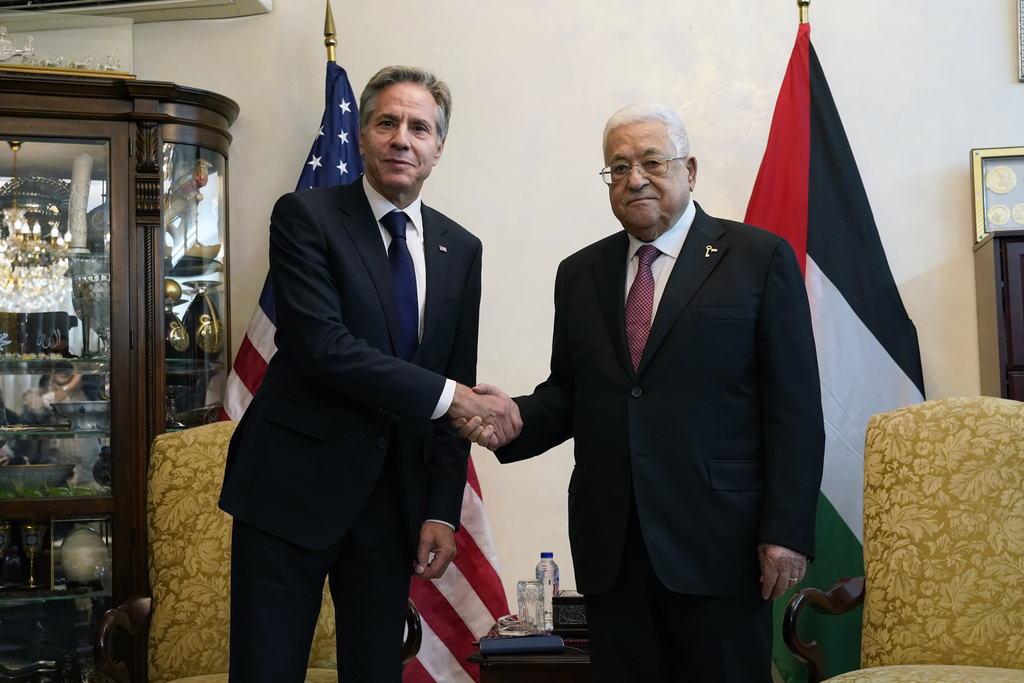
pixel 809 191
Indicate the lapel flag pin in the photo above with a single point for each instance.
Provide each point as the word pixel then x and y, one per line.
pixel 708 251
pixel 442 248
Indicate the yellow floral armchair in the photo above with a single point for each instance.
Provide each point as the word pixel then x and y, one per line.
pixel 943 590
pixel 187 613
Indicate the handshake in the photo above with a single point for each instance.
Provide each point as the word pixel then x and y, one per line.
pixel 485 415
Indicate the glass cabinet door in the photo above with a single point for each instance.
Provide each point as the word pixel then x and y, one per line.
pixel 54 318
pixel 55 432
pixel 195 329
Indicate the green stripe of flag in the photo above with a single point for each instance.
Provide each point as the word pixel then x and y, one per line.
pixel 839 636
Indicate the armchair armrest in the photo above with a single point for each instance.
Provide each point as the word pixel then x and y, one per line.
pixel 132 617
pixel 414 635
pixel 843 596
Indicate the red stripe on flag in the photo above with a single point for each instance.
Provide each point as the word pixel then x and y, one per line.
pixel 472 562
pixel 471 478
pixel 249 366
pixel 480 574
pixel 445 622
pixel 778 201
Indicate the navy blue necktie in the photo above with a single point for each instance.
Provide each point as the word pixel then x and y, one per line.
pixel 405 282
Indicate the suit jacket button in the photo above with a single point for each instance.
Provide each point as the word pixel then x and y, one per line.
pixel 636 392
pixel 625 457
pixel 382 442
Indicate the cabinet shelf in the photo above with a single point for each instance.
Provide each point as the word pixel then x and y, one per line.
pixel 50 432
pixel 50 366
pixel 184 366
pixel 58 494
pixel 17 596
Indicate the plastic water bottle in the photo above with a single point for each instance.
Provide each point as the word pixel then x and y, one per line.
pixel 547 571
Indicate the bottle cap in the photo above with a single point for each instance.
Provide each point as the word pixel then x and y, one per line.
pixel 544 555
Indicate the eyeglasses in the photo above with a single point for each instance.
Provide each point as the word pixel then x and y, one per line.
pixel 651 166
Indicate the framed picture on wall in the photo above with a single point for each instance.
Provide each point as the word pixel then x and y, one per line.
pixel 998 182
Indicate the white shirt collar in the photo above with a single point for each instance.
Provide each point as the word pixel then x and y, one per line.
pixel 671 241
pixel 380 206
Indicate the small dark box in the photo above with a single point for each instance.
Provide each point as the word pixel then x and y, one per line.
pixel 569 615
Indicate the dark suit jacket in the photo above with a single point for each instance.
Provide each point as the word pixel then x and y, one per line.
pixel 720 431
pixel 309 448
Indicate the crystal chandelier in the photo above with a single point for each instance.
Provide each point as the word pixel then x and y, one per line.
pixel 33 266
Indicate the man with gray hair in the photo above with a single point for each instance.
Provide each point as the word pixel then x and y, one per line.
pixel 345 466
pixel 683 365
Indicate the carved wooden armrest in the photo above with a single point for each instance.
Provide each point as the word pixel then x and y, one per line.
pixel 414 637
pixel 132 617
pixel 843 596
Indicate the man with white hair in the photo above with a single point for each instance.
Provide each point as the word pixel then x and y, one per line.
pixel 683 365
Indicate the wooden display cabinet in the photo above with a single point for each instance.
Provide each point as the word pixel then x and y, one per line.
pixel 999 275
pixel 113 329
pixel 998 185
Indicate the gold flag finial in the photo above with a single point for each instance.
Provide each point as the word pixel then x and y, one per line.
pixel 329 34
pixel 804 6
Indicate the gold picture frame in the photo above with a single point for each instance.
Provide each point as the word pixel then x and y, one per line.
pixel 998 183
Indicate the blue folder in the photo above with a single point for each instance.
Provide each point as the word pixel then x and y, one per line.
pixel 540 643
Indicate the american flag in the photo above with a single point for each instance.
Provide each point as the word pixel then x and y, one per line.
pixel 463 604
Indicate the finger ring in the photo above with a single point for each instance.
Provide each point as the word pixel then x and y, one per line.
pixel 792 579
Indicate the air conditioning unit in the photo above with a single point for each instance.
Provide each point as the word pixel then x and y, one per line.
pixel 146 10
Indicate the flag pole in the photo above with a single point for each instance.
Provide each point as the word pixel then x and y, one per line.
pixel 330 35
pixel 804 6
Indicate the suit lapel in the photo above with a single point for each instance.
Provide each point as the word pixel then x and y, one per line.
pixel 358 221
pixel 435 254
pixel 701 252
pixel 610 280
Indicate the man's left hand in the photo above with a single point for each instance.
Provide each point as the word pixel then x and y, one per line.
pixel 781 569
pixel 436 539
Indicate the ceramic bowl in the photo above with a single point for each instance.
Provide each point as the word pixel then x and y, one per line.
pixel 84 414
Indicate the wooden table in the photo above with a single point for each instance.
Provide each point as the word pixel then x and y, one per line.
pixel 572 665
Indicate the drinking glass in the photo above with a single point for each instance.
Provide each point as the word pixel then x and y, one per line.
pixel 530 596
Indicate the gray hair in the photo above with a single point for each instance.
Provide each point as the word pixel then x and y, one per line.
pixel 641 113
pixel 393 75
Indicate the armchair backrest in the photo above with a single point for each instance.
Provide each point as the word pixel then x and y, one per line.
pixel 190 559
pixel 944 534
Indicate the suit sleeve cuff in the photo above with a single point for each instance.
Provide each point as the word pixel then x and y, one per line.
pixel 441 521
pixel 445 401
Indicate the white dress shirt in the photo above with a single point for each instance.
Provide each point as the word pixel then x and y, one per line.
pixel 669 243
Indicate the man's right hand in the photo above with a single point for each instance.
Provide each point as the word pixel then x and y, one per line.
pixel 485 415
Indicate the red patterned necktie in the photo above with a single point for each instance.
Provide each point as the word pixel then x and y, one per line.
pixel 639 304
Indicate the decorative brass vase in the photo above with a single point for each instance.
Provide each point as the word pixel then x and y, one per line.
pixel 176 336
pixel 203 322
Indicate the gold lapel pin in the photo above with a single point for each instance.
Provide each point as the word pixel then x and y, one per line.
pixel 708 251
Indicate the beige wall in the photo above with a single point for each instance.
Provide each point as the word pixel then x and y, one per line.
pixel 535 80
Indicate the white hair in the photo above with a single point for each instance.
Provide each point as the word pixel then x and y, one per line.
pixel 640 113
